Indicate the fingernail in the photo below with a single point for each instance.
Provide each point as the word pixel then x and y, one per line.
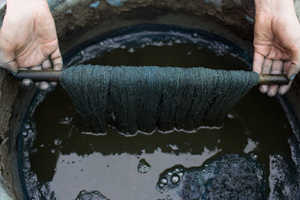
pixel 27 83
pixel 292 77
pixel 44 86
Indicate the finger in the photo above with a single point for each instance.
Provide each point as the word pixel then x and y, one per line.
pixel 277 68
pixel 7 58
pixel 57 60
pixel 258 62
pixel 295 63
pixel 44 85
pixel 41 85
pixel 284 88
pixel 46 64
pixel 286 66
pixel 26 83
pixel 53 83
pixel 37 67
pixel 266 69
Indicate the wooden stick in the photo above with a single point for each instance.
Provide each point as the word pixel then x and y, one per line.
pixel 39 75
pixel 273 79
pixel 52 75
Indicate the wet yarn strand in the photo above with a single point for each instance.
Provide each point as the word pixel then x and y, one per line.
pixel 147 98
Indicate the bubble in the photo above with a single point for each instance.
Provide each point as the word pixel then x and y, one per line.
pixel 175 179
pixel 131 50
pixel 34 150
pixel 27 126
pixel 66 120
pixel 161 185
pixel 25 133
pixel 177 170
pixel 180 173
pixel 57 141
pixel 173 147
pixel 164 181
pixel 170 173
pixel 52 150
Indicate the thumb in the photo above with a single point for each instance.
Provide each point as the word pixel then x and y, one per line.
pixel 10 66
pixel 7 59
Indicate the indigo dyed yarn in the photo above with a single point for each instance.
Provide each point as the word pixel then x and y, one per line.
pixel 142 99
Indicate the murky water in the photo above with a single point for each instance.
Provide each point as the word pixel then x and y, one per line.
pixel 60 161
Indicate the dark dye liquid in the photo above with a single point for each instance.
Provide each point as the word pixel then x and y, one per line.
pixel 59 160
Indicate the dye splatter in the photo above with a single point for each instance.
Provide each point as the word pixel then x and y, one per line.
pixel 143 166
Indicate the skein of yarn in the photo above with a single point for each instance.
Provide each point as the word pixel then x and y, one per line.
pixel 143 99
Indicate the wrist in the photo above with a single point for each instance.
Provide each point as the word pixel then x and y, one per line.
pixel 274 6
pixel 12 5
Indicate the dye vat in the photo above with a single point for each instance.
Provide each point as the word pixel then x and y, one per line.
pixel 253 156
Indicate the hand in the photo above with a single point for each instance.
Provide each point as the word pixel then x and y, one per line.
pixel 28 37
pixel 276 42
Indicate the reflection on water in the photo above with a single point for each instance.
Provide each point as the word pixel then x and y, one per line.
pixel 59 160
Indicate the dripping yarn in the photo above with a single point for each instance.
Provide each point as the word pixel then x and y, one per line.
pixel 144 98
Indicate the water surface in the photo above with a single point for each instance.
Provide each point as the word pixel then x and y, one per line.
pixel 59 159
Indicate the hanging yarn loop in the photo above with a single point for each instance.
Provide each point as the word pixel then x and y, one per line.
pixel 143 99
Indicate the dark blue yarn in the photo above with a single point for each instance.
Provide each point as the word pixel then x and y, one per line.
pixel 150 97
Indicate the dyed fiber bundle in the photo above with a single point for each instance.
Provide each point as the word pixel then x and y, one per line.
pixel 142 99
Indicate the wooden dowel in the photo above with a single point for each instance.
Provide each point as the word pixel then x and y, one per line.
pixel 52 75
pixel 39 75
pixel 273 79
